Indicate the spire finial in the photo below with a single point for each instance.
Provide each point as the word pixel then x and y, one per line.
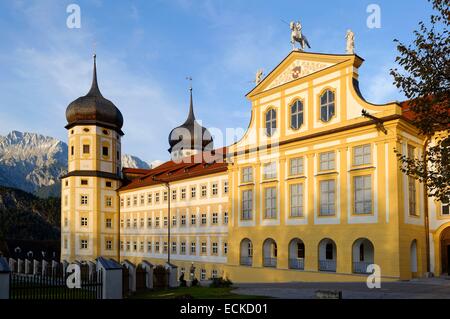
pixel 94 87
pixel 191 116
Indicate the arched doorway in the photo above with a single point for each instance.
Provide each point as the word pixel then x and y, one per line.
pixel 445 251
pixel 246 252
pixel 363 255
pixel 269 253
pixel 327 255
pixel 297 254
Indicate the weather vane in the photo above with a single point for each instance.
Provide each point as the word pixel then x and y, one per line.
pixel 189 78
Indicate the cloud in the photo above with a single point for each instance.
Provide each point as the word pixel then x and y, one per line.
pixel 380 88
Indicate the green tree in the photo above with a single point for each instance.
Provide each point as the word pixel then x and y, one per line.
pixel 424 77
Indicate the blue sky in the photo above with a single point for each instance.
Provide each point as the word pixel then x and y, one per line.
pixel 147 48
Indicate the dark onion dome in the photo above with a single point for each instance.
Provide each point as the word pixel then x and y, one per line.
pixel 190 135
pixel 94 109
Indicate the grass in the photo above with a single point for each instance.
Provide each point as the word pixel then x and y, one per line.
pixel 194 293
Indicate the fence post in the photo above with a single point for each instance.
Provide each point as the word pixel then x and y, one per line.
pixel 5 273
pixel 111 278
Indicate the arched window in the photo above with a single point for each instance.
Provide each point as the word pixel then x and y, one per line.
pixel 327 105
pixel 271 122
pixel 296 115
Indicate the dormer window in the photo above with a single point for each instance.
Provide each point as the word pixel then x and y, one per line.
pixel 327 105
pixel 271 122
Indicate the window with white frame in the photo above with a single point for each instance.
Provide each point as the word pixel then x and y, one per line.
pixel 193 219
pixel 141 246
pixel 135 246
pixel 149 222
pixel 149 198
pixel 135 223
pixel 157 221
pixel 445 206
pixel 215 189
pixel 142 199
pixel 203 274
pixel 174 194
pixel 84 222
pixel 84 199
pixel 108 223
pixel 327 105
pixel 214 273
pixel 183 193
pixel 157 247
pixel 121 245
pixel 128 201
pixel 215 248
pixel 165 196
pixel 203 219
pixel 193 248
pixel 203 191
pixel 142 222
pixel 296 115
pixel 183 247
pixel 149 246
pixel 225 187
pixel 215 218
pixel 128 246
pixel 271 122
pixel 327 161
pixel 121 202
pixel 327 197
pixel 270 170
pixel 174 220
pixel 225 248
pixel 165 247
pixel 270 198
pixel 83 244
pixel 122 223
pixel 157 197
pixel 183 220
pixel 225 218
pixel 203 248
pixel 296 200
pixel 193 192
pixel 296 166
pixel 135 200
pixel 174 247
pixel 362 155
pixel 247 205
pixel 165 221
pixel 247 174
pixel 362 194
pixel 128 223
pixel 108 201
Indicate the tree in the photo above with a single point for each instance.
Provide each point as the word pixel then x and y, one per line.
pixel 425 80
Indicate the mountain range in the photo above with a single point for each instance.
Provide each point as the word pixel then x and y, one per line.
pixel 34 163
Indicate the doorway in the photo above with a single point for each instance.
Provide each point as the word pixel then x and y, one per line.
pixel 445 251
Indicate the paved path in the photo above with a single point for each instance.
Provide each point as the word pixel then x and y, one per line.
pixel 433 288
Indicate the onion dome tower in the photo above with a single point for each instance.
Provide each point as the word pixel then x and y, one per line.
pixel 190 137
pixel 88 190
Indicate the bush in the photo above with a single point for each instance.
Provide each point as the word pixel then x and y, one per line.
pixel 220 283
pixel 194 282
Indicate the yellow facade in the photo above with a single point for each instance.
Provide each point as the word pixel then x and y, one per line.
pixel 317 197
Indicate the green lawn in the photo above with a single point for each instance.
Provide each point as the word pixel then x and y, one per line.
pixel 193 292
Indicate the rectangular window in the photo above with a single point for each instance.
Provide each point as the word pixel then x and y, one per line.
pixel 105 151
pixel 296 166
pixel 128 223
pixel 203 274
pixel 142 200
pixel 86 149
pixel 215 189
pixel 108 223
pixel 135 224
pixel 446 206
pixel 183 220
pixel 225 187
pixel 66 222
pixel 128 246
pixel 157 197
pixel 84 182
pixel 183 193
pixel 165 221
pixel 174 194
pixel 108 201
pixel 225 218
pixel 157 247
pixel 327 198
pixel 149 246
pixel 72 150
pixel 215 248
pixel 174 247
pixel 362 194
pixel 215 218
pixel 174 220
pixel 203 219
pixel 83 244
pixel 270 170
pixel 247 174
pixel 412 192
pixel 362 155
pixel 225 248
pixel 327 161
pixel 149 198
pixel 165 247
pixel 84 222
pixel 142 223
pixel 203 250
pixel 165 196
pixel 203 190
pixel 122 224
pixel 247 205
pixel 183 248
pixel 296 200
pixel 121 245
pixel 135 247
pixel 108 184
pixel 157 221
pixel 193 248
pixel 135 200
pixel 108 245
pixel 128 201
pixel 84 200
pixel 270 198
pixel 149 222
pixel 193 219
pixel 193 192
pixel 121 202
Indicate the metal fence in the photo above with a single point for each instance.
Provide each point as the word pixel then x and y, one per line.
pixel 360 267
pixel 246 261
pixel 270 262
pixel 297 263
pixel 24 286
pixel 327 265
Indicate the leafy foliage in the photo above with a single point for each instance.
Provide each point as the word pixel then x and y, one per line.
pixel 220 283
pixel 425 80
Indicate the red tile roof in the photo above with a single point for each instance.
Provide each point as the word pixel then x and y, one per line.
pixel 173 171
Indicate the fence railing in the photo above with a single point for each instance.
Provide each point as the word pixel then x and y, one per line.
pixel 360 267
pixel 270 262
pixel 24 286
pixel 327 265
pixel 297 263
pixel 246 261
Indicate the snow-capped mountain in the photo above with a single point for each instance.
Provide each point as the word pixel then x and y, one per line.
pixel 34 162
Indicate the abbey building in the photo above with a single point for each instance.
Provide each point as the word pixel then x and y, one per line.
pixel 312 192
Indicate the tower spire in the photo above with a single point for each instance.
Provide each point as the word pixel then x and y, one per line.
pixel 191 116
pixel 94 87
